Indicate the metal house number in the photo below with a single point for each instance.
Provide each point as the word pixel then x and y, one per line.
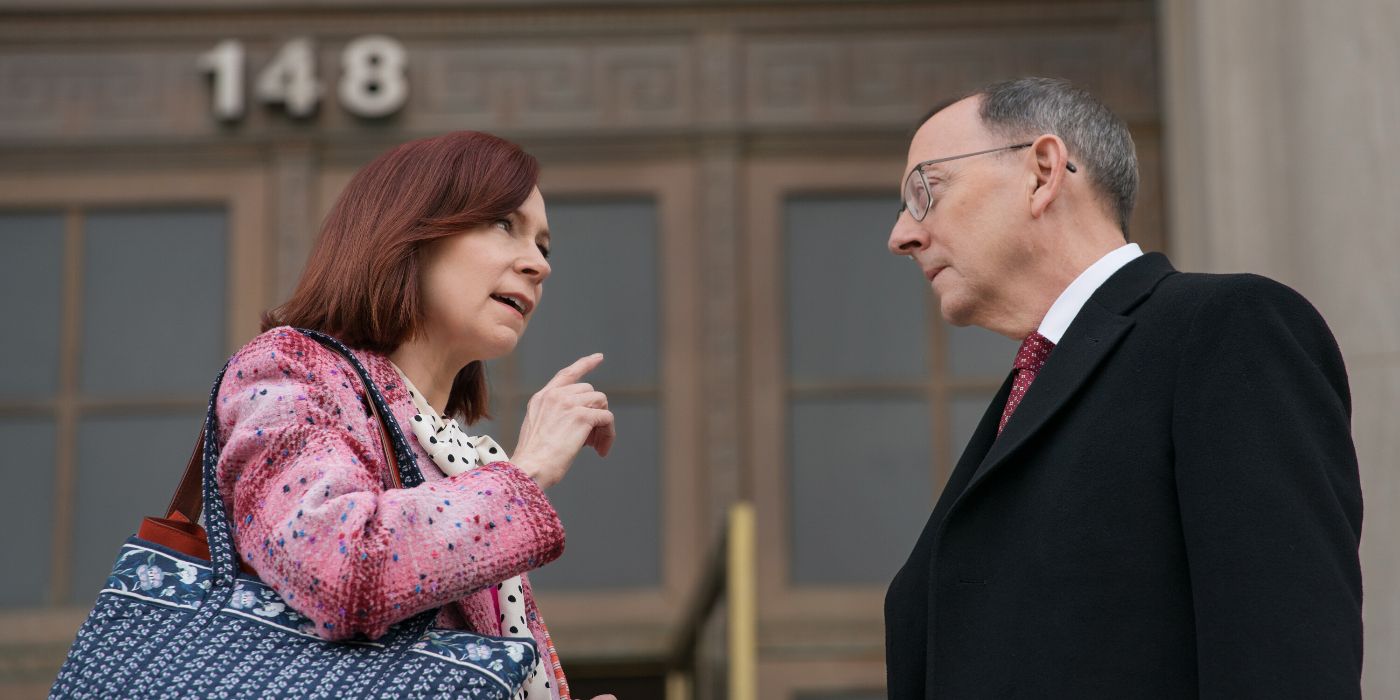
pixel 373 82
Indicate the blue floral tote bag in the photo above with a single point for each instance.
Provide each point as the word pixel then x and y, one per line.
pixel 179 619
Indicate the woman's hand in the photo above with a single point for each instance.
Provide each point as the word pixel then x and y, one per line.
pixel 561 419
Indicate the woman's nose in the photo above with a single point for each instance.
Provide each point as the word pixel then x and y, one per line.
pixel 534 265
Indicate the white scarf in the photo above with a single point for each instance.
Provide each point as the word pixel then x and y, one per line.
pixel 454 452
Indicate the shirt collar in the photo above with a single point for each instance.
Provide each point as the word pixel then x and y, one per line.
pixel 1065 308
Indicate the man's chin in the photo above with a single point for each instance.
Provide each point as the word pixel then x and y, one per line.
pixel 953 313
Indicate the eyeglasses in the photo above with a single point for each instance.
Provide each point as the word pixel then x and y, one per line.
pixel 918 198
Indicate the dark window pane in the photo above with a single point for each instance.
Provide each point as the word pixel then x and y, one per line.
pixel 611 510
pixel 492 428
pixel 26 508
pixel 967 411
pixel 501 426
pixel 128 467
pixel 31 302
pixel 154 300
pixel 855 312
pixel 601 297
pixel 861 487
pixel 978 352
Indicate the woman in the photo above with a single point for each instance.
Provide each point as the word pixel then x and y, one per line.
pixel 432 261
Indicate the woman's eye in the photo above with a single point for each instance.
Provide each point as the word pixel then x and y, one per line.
pixel 504 224
pixel 544 250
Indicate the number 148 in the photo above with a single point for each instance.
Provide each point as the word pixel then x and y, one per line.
pixel 372 82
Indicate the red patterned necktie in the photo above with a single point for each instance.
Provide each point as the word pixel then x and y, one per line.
pixel 1029 359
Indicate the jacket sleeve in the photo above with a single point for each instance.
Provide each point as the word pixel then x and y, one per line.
pixel 302 474
pixel 1270 497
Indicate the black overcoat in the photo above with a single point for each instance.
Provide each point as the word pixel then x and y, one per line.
pixel 1174 510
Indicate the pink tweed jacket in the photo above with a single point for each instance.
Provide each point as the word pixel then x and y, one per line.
pixel 304 479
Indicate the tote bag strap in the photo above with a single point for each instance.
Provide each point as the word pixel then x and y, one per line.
pixel 405 468
pixel 187 501
pixel 219 530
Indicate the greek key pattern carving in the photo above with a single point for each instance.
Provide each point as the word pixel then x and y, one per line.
pixel 574 87
pixel 100 94
pixel 883 80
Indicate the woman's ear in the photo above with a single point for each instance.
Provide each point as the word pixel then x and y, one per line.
pixel 1050 164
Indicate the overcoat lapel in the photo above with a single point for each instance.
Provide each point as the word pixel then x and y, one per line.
pixel 1095 333
pixel 1070 365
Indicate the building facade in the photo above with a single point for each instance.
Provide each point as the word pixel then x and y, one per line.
pixel 720 179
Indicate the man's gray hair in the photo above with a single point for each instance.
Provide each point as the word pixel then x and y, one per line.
pixel 1099 143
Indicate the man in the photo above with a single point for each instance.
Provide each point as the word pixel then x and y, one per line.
pixel 1163 498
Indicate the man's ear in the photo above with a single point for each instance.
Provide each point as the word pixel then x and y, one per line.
pixel 1050 160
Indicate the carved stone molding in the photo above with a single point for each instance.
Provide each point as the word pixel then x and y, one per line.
pixel 890 80
pixel 100 94
pixel 710 78
pixel 551 86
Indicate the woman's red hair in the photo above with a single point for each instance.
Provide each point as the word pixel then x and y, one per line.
pixel 362 281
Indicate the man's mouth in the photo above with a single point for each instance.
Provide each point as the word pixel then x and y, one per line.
pixel 520 304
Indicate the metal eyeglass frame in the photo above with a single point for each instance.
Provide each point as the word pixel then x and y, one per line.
pixel 922 181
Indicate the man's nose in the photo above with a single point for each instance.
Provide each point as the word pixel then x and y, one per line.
pixel 907 236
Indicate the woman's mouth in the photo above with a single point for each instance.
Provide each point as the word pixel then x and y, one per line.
pixel 521 306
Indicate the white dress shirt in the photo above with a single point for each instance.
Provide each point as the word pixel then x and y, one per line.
pixel 1065 308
